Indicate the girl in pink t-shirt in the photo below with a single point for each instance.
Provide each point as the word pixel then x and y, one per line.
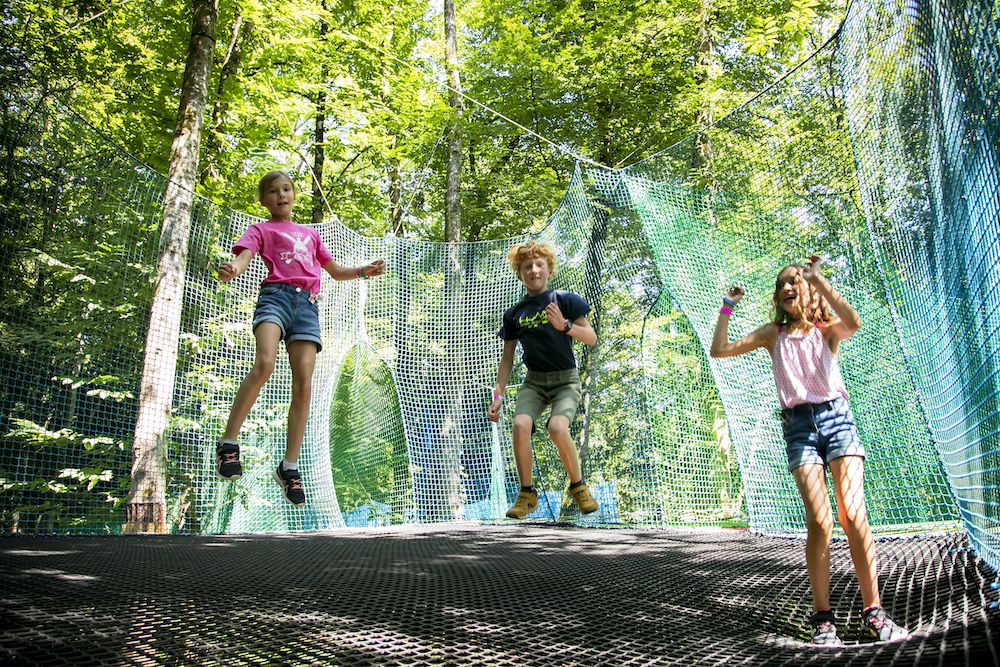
pixel 286 310
pixel 819 430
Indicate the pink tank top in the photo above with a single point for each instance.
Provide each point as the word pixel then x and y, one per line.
pixel 806 370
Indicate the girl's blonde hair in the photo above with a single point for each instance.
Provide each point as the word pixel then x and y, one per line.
pixel 816 310
pixel 530 250
pixel 269 178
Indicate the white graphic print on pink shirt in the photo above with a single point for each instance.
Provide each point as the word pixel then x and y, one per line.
pixel 300 249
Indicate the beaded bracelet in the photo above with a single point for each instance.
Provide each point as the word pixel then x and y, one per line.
pixel 726 310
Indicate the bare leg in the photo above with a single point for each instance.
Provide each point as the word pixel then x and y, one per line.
pixel 811 481
pixel 302 358
pixel 848 480
pixel 522 448
pixel 568 454
pixel 267 335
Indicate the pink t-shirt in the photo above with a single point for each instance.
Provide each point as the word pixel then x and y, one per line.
pixel 806 369
pixel 293 253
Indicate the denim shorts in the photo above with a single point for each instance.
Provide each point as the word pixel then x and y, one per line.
pixel 820 432
pixel 293 309
pixel 560 388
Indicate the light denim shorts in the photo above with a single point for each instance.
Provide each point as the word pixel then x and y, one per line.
pixel 293 309
pixel 820 432
pixel 560 388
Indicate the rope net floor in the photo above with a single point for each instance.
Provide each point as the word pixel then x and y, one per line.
pixel 523 594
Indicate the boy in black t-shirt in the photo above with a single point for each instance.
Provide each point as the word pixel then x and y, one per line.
pixel 545 321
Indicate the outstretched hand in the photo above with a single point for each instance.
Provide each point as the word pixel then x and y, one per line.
pixel 735 293
pixel 811 272
pixel 374 268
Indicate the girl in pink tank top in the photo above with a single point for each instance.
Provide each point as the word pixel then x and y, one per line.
pixel 810 319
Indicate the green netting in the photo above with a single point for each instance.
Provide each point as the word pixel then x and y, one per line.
pixel 926 143
pixel 880 153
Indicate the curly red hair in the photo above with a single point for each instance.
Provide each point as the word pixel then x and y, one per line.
pixel 530 250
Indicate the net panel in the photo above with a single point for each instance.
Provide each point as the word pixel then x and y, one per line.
pixel 80 237
pixel 767 170
pixel 398 430
pixel 922 104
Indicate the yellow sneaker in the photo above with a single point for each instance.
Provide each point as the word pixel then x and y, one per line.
pixel 583 499
pixel 524 505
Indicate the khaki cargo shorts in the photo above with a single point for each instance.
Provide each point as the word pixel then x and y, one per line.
pixel 561 389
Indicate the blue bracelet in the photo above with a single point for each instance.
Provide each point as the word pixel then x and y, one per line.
pixel 729 302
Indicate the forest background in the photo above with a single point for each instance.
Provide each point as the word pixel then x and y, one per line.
pixel 354 92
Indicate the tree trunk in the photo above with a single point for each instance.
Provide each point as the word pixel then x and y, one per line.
pixel 451 430
pixel 319 154
pixel 395 191
pixel 239 33
pixel 457 343
pixel 702 171
pixel 395 175
pixel 452 201
pixel 319 136
pixel 146 506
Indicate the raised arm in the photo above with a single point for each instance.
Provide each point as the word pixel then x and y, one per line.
pixel 721 347
pixel 503 375
pixel 581 329
pixel 848 321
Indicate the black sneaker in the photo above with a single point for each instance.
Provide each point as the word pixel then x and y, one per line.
pixel 227 461
pixel 291 485
pixel 824 626
pixel 882 627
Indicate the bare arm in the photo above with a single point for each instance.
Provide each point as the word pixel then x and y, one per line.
pixel 722 347
pixel 230 270
pixel 581 329
pixel 503 375
pixel 370 270
pixel 848 321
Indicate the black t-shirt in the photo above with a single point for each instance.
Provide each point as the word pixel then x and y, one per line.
pixel 545 348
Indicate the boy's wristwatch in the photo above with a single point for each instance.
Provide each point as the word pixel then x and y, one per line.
pixel 569 325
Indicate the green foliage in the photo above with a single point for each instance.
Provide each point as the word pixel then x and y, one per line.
pixel 58 498
pixel 614 81
pixel 368 453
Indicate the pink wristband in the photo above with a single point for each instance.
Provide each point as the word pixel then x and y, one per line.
pixel 496 396
pixel 725 310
